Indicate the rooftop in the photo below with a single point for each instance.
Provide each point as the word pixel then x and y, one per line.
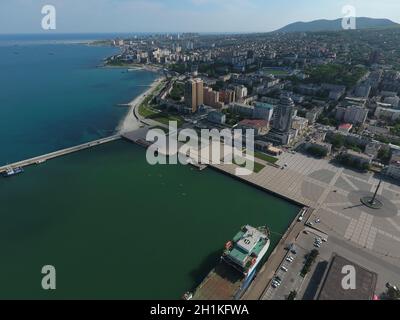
pixel 332 288
pixel 248 242
pixel 254 123
pixel 346 126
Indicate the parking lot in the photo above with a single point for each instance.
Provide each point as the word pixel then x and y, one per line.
pixel 291 279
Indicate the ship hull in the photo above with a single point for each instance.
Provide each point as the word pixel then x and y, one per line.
pixel 231 283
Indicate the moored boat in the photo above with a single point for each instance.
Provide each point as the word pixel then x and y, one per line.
pixel 239 263
pixel 12 171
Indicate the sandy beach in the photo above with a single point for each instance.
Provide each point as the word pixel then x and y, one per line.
pixel 131 122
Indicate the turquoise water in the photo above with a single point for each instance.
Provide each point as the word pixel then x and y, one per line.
pixel 52 96
pixel 112 225
pixel 115 227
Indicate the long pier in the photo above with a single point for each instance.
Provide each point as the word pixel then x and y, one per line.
pixel 59 153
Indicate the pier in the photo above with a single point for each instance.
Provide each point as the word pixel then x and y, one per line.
pixel 59 153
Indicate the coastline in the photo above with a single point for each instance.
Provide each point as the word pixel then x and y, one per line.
pixel 151 68
pixel 130 122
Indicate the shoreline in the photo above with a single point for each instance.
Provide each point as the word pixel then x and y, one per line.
pixel 130 122
pixel 136 67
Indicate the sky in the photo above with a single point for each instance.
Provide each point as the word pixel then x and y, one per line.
pixel 101 16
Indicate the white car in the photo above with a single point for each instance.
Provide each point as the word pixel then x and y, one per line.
pixel 284 269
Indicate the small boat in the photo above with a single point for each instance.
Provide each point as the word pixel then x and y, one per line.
pixel 12 172
pixel 187 296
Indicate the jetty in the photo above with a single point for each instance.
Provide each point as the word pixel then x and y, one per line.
pixel 59 153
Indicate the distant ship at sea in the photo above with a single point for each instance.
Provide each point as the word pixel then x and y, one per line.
pixel 12 172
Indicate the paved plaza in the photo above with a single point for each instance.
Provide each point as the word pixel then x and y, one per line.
pixel 367 236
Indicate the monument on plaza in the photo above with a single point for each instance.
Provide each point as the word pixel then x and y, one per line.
pixel 373 202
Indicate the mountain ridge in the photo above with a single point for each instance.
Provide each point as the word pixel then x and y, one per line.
pixel 336 25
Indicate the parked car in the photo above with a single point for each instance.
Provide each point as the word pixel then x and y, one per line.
pixel 283 268
pixel 289 259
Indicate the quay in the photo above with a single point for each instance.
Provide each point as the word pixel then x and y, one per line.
pixel 139 137
pixel 59 153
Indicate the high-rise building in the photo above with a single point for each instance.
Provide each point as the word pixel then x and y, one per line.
pixel 283 119
pixel 199 92
pixel 190 95
pixel 194 94
pixel 283 115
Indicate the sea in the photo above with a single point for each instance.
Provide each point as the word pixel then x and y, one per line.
pixel 112 226
pixel 54 95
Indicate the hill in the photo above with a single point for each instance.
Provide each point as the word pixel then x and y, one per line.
pixel 336 25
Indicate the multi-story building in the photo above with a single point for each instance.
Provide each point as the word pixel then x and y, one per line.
pixel 194 94
pixel 199 92
pixel 352 114
pixel 361 158
pixel 240 92
pixel 387 113
pixel 312 116
pixel 216 117
pixel 243 109
pixel 393 169
pixel 300 124
pixel 211 98
pixel 362 91
pixel 283 115
pixel 260 127
pixel 263 111
pixel 227 96
pixel 283 119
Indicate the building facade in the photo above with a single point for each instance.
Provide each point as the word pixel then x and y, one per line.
pixel 194 94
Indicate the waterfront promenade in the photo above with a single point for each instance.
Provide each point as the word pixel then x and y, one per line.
pixel 59 153
pixel 369 237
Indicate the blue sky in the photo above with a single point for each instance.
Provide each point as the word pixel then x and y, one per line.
pixel 83 16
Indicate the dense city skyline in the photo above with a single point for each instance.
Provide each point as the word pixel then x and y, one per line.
pixel 180 16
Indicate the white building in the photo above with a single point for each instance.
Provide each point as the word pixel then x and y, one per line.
pixel 241 92
pixel 263 111
pixel 387 113
pixel 299 124
pixel 352 114
pixel 393 169
pixel 243 109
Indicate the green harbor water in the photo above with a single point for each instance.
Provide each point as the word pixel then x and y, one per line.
pixel 115 227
